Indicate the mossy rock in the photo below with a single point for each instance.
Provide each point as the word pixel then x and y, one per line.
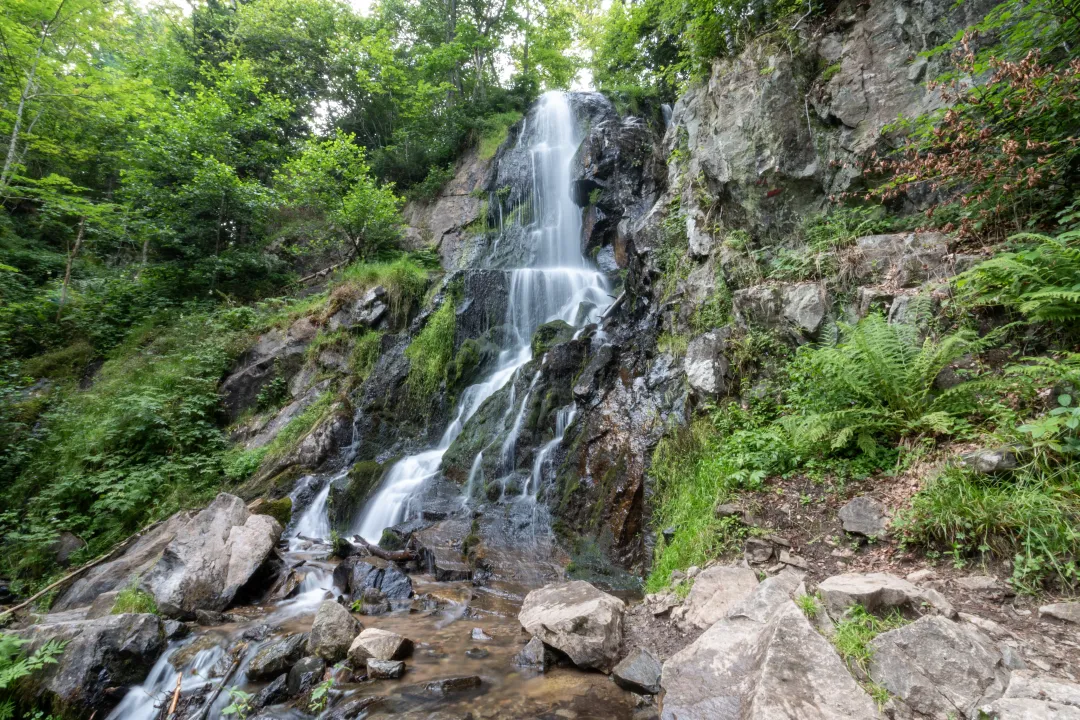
pixel 280 510
pixel 391 541
pixel 348 494
pixel 549 335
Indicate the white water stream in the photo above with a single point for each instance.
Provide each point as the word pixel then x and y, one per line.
pixel 554 287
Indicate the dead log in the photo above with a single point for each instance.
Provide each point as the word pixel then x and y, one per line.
pixel 395 555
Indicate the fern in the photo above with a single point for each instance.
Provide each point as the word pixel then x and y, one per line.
pixel 15 665
pixel 879 383
pixel 1042 282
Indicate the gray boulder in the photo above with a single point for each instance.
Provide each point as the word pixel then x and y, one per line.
pixel 763 661
pixel 705 365
pixel 1029 697
pixel 277 657
pixel 805 307
pixel 212 558
pixel 937 667
pixel 99 655
pixel 638 672
pixel 379 644
pixel 874 591
pixel 716 590
pixel 865 516
pixel 578 620
pixel 990 461
pixel 332 632
pixel 116 574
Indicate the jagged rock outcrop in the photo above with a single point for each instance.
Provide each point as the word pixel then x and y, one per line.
pixel 216 553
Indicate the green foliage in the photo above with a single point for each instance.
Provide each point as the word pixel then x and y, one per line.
pixel 1030 517
pixel 840 227
pixel 365 353
pixel 878 385
pixel 664 44
pixel 1040 280
pixel 319 695
pixel 856 630
pixel 133 600
pixel 405 281
pixel 673 344
pixel 432 184
pixel 430 352
pixel 809 604
pixel 493 131
pixel 15 665
pixel 143 441
pixel 240 704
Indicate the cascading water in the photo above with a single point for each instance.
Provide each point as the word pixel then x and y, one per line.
pixel 558 284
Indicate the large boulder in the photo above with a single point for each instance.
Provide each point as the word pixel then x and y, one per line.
pixel 212 558
pixel 98 656
pixel 332 632
pixel 638 672
pixel 134 562
pixel 763 661
pixel 937 667
pixel 1029 697
pixel 578 620
pixel 717 590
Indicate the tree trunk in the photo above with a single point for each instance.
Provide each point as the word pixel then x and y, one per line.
pixel 67 270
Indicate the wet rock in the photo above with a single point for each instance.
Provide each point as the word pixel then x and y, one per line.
pixel 990 461
pixel 277 656
pixel 763 661
pixel 874 591
pixel 476 653
pixel 865 516
pixel 705 365
pixel 352 707
pixel 277 691
pixel 716 590
pixel 256 632
pixel 380 645
pixel 757 550
pixel 174 630
pixel 184 655
pixel 276 352
pixel 99 655
pixel 578 620
pixel 115 574
pixel 440 554
pixel 479 635
pixel 445 686
pixel 304 675
pixel 395 584
pixel 385 669
pixel 638 672
pixel 535 655
pixel 1068 612
pixel 938 667
pixel 332 632
pixel 212 558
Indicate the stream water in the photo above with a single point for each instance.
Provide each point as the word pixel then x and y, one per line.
pixel 558 284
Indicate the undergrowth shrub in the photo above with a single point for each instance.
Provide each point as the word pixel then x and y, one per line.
pixel 144 440
pixel 856 630
pixel 132 599
pixel 877 386
pixel 1041 280
pixel 15 665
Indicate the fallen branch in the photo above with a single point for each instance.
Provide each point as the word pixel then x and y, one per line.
pixel 320 273
pixel 217 691
pixel 175 696
pixel 395 555
pixel 112 554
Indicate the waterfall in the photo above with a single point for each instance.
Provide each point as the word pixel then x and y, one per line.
pixel 557 283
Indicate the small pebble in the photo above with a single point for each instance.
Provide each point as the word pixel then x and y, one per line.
pixel 476 653
pixel 479 634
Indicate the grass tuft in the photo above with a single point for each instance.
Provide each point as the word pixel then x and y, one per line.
pixel 430 352
pixel 133 600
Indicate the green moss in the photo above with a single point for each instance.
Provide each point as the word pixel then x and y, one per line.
pixel 430 351
pixel 494 132
pixel 828 73
pixel 463 367
pixel 280 510
pixel 68 363
pixel 549 335
pixel 365 353
pixel 673 344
